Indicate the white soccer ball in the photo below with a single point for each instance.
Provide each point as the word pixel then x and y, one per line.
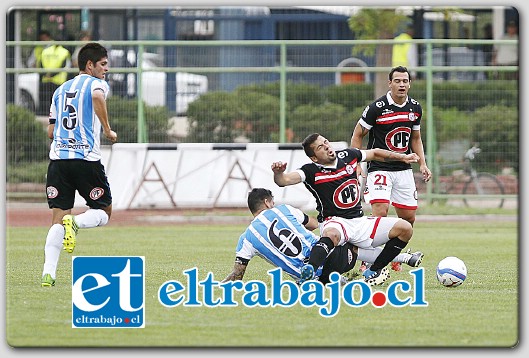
pixel 451 271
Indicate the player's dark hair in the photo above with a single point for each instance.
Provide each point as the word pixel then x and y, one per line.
pixel 256 198
pixel 307 144
pixel 92 51
pixel 400 69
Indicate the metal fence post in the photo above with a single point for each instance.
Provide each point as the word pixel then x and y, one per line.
pixel 283 94
pixel 142 126
pixel 430 132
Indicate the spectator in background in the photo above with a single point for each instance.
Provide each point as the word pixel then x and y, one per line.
pixel 507 54
pixel 53 58
pixel 34 59
pixel 405 54
pixel 487 49
pixel 83 36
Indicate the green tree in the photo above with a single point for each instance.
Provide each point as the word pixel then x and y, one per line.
pixel 331 120
pixel 213 117
pixel 496 129
pixel 27 147
pixel 298 93
pixel 262 116
pixel 26 138
pixel 372 24
pixel 123 117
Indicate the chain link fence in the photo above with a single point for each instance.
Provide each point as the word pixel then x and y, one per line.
pixel 278 92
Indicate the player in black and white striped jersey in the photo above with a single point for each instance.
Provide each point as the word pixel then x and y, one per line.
pixel 331 178
pixel 393 123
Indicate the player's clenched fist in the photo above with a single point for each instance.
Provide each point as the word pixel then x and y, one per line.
pixel 279 167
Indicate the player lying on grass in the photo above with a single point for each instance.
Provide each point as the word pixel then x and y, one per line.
pixel 282 235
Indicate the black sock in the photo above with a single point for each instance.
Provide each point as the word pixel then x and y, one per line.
pixel 392 248
pixel 320 251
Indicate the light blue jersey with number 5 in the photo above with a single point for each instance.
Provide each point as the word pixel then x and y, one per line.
pixel 77 128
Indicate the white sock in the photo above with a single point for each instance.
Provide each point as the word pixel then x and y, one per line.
pixel 402 257
pixel 369 255
pixel 52 249
pixel 91 218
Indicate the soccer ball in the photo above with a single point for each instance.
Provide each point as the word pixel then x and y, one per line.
pixel 451 271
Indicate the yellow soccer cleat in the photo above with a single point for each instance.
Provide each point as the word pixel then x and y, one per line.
pixel 47 281
pixel 70 232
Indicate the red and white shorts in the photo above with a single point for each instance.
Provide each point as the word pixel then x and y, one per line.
pixel 397 188
pixel 364 232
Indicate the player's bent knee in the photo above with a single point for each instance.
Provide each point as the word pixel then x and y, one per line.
pixel 379 209
pixel 404 230
pixel 332 234
pixel 409 218
pixel 102 216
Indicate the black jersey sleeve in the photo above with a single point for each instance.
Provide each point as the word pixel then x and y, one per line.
pixel 371 112
pixel 417 108
pixel 349 154
pixel 310 172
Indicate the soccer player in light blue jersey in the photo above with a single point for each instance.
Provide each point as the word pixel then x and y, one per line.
pixel 282 235
pixel 78 113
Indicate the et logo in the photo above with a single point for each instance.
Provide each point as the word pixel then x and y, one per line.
pixel 108 292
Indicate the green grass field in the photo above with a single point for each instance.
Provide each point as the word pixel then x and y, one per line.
pixel 483 312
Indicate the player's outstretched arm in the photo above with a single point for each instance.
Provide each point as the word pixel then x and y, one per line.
pixel 237 273
pixel 284 179
pixel 382 155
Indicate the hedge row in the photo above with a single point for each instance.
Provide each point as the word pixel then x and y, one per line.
pixel 488 114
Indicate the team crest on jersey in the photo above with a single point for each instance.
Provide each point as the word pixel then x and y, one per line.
pixel 347 195
pixel 96 193
pixel 412 117
pixel 350 169
pixel 52 192
pixel 398 139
